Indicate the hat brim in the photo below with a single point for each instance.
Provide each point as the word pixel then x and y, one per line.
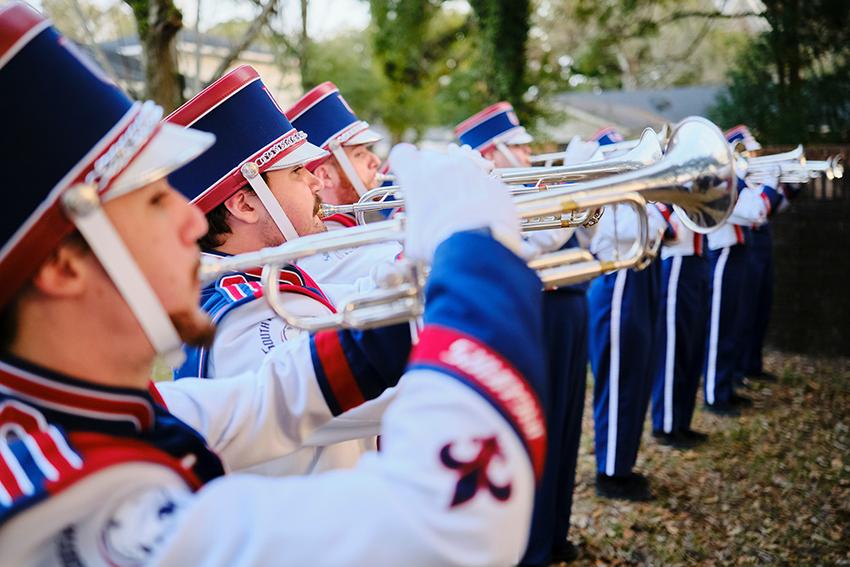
pixel 170 148
pixel 367 136
pixel 302 155
pixel 520 136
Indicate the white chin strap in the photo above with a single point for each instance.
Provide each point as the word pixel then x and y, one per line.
pixel 509 155
pixel 347 167
pixel 82 205
pixel 252 173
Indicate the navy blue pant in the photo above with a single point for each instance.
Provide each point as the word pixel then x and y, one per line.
pixel 758 300
pixel 682 324
pixel 622 317
pixel 565 330
pixel 728 273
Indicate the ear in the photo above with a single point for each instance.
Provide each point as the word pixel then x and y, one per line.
pixel 244 206
pixel 327 174
pixel 67 271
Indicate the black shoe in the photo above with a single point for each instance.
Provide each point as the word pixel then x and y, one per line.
pixel 724 410
pixel 678 439
pixel 697 436
pixel 566 552
pixel 741 401
pixel 634 487
pixel 762 376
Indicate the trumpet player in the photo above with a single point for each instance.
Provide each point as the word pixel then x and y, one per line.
pixel 759 289
pixel 622 328
pixel 682 323
pixel 345 172
pixel 350 167
pixel 727 284
pixel 256 192
pixel 497 135
pixel 98 471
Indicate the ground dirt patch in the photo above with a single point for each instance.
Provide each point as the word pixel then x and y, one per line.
pixel 770 488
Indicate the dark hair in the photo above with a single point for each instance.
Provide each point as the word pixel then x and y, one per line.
pixel 218 225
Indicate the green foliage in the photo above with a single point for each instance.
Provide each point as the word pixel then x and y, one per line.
pixel 503 27
pixel 347 61
pixel 792 83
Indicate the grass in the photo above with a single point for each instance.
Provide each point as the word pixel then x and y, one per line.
pixel 770 488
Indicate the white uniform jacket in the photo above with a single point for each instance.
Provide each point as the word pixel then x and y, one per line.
pixel 618 229
pixel 751 208
pixel 248 330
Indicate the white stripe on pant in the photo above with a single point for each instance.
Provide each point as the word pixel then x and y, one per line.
pixel 614 372
pixel 716 295
pixel 670 359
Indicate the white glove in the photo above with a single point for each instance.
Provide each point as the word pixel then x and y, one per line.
pixel 769 177
pixel 473 155
pixel 449 193
pixel 579 151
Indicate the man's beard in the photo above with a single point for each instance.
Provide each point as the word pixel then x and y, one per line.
pixel 194 327
pixel 317 206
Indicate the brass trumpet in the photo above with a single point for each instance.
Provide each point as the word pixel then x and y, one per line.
pixel 647 151
pixel 697 175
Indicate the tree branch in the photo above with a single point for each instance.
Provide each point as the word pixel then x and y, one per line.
pixel 250 35
pixel 713 15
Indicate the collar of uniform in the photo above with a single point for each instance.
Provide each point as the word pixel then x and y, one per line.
pixel 75 402
pixel 289 274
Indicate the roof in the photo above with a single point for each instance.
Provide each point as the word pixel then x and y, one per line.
pixel 629 111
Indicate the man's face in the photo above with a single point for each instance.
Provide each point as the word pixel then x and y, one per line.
pixel 337 188
pixel 297 191
pixel 521 152
pixel 161 230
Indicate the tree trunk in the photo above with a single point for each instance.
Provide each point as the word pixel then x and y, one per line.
pixel 304 50
pixel 158 22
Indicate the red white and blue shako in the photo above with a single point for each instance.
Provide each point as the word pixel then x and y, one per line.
pixel 740 134
pixel 71 140
pixel 607 136
pixel 253 136
pixel 495 126
pixel 331 124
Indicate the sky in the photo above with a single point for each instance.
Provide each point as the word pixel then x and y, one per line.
pixel 324 18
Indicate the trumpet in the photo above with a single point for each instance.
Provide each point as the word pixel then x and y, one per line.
pixel 385 198
pixel 663 136
pixel 697 175
pixel 647 151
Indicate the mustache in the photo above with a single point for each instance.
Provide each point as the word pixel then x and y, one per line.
pixel 317 206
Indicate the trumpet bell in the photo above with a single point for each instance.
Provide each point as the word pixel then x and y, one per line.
pixel 703 186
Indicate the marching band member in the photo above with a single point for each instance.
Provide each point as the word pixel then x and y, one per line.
pixel 682 321
pixel 622 328
pixel 496 133
pixel 727 281
pixel 256 192
pixel 348 169
pixel 97 471
pixel 759 289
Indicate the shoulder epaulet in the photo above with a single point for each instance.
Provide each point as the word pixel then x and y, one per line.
pixel 38 459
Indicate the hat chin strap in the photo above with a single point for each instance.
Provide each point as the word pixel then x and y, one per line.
pixel 347 167
pixel 252 173
pixel 82 205
pixel 509 155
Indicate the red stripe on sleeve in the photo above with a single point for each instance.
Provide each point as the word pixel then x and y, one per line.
pixel 337 371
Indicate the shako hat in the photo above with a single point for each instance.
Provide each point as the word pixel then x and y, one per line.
pixel 72 140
